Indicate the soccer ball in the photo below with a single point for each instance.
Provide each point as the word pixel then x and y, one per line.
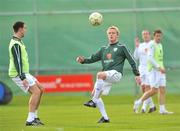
pixel 95 18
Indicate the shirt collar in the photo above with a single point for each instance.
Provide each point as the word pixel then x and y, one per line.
pixel 16 38
pixel 114 43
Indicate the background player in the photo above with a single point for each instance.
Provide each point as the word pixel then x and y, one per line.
pixel 141 54
pixel 157 74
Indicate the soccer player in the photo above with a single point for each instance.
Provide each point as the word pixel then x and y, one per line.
pixel 112 57
pixel 19 72
pixel 157 77
pixel 141 54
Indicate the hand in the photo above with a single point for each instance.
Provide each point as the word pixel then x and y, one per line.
pixel 138 80
pixel 137 42
pixel 25 83
pixel 162 70
pixel 80 59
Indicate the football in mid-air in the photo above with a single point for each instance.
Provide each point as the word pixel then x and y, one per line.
pixel 95 18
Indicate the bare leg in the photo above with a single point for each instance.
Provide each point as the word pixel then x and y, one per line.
pixel 143 88
pixel 147 88
pixel 41 93
pixel 34 99
pixel 150 100
pixel 149 93
pixel 145 96
pixel 145 103
pixel 33 102
pixel 162 95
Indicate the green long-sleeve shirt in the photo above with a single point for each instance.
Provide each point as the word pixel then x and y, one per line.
pixel 113 57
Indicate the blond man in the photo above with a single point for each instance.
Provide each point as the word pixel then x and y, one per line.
pixel 112 57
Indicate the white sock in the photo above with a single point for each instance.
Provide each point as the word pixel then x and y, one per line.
pixel 31 116
pixel 100 105
pixel 162 107
pixel 144 106
pixel 98 88
pixel 36 114
pixel 139 102
pixel 151 103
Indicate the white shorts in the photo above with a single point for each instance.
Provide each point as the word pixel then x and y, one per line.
pixel 112 76
pixel 144 74
pixel 31 80
pixel 157 79
pixel 144 79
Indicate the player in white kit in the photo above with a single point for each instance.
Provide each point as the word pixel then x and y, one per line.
pixel 141 55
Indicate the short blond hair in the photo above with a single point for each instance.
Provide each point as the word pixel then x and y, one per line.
pixel 146 31
pixel 113 27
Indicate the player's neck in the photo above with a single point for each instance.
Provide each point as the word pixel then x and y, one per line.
pixel 113 42
pixel 17 35
pixel 157 42
pixel 146 41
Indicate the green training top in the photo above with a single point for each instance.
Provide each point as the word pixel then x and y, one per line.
pixel 113 57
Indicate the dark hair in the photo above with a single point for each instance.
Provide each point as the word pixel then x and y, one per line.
pixel 157 32
pixel 17 25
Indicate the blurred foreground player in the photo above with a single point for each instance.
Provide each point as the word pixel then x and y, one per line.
pixel 19 72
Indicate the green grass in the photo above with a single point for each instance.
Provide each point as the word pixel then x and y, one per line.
pixel 66 113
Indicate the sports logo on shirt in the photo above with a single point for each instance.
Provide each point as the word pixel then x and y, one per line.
pixel 115 49
pixel 109 55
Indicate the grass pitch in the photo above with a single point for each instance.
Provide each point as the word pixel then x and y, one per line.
pixel 66 113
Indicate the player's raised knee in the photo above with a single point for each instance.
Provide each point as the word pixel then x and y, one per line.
pixel 35 90
pixel 41 89
pixel 101 75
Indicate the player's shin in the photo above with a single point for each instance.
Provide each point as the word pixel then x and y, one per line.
pixel 100 105
pixel 98 89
